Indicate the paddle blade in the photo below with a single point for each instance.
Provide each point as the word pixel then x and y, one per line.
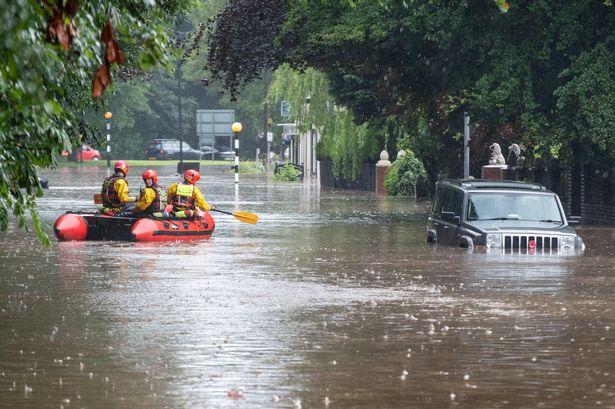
pixel 246 217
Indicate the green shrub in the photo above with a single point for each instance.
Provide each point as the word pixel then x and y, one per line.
pixel 288 173
pixel 403 176
pixel 249 167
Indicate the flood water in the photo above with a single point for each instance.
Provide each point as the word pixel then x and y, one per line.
pixel 333 300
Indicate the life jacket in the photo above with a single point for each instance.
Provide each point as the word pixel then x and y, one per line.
pixel 156 205
pixel 184 197
pixel 109 194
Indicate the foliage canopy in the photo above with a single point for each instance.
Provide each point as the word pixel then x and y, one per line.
pixel 55 56
pixel 537 72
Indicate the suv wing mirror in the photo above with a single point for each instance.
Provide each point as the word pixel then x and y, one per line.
pixel 450 216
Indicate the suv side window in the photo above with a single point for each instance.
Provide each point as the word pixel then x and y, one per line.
pixel 453 202
pixel 186 147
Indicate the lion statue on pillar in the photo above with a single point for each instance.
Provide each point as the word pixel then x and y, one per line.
pixel 496 155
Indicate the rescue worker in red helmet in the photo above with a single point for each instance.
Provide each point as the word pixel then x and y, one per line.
pixel 185 197
pixel 151 197
pixel 115 190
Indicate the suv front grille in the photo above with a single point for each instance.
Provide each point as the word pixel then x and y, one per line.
pixel 524 242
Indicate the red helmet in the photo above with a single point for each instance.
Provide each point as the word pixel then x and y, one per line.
pixel 121 165
pixel 150 174
pixel 192 176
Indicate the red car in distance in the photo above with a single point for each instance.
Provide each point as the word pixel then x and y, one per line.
pixel 86 153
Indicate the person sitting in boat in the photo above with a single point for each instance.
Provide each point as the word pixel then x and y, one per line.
pixel 150 198
pixel 184 198
pixel 115 190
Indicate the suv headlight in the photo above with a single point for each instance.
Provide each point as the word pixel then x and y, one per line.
pixel 493 241
pixel 567 242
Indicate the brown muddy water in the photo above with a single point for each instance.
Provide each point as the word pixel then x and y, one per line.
pixel 333 300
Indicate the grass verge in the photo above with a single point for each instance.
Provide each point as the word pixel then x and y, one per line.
pixel 144 163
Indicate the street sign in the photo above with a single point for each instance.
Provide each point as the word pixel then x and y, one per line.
pixel 213 123
pixel 269 136
pixel 285 108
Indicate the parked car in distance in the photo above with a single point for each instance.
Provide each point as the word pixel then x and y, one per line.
pixel 225 154
pixel 208 151
pixel 169 149
pixel 503 216
pixel 85 153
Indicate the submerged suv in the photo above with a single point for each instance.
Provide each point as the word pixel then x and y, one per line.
pixel 505 215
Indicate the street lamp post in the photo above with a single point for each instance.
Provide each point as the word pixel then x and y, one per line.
pixel 179 117
pixel 108 116
pixel 466 147
pixel 236 128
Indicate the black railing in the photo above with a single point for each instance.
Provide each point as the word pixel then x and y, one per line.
pixel 366 179
pixel 587 192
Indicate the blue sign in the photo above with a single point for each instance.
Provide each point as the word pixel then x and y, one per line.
pixel 285 109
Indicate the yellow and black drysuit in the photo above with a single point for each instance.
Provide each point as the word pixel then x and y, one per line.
pixel 185 199
pixel 115 194
pixel 150 200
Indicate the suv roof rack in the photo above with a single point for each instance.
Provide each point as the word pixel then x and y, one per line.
pixel 494 184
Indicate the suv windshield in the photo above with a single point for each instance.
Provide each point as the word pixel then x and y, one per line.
pixel 513 206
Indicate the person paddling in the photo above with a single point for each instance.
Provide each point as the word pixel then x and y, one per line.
pixel 115 190
pixel 184 198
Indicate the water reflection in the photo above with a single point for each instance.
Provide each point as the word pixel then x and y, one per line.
pixel 333 297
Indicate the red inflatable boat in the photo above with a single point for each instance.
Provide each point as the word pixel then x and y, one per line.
pixel 91 226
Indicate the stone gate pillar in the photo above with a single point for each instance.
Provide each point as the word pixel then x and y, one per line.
pixel 382 166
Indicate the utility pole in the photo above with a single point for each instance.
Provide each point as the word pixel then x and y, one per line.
pixel 265 115
pixel 466 147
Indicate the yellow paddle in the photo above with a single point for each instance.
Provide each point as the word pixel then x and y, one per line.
pixel 245 217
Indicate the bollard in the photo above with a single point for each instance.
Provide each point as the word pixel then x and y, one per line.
pixel 108 116
pixel 236 128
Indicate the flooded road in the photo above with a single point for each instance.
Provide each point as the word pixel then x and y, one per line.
pixel 333 300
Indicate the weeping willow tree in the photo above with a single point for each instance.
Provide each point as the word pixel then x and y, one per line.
pixel 342 141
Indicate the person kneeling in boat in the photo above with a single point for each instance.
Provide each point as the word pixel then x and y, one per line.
pixel 150 198
pixel 185 199
pixel 115 191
